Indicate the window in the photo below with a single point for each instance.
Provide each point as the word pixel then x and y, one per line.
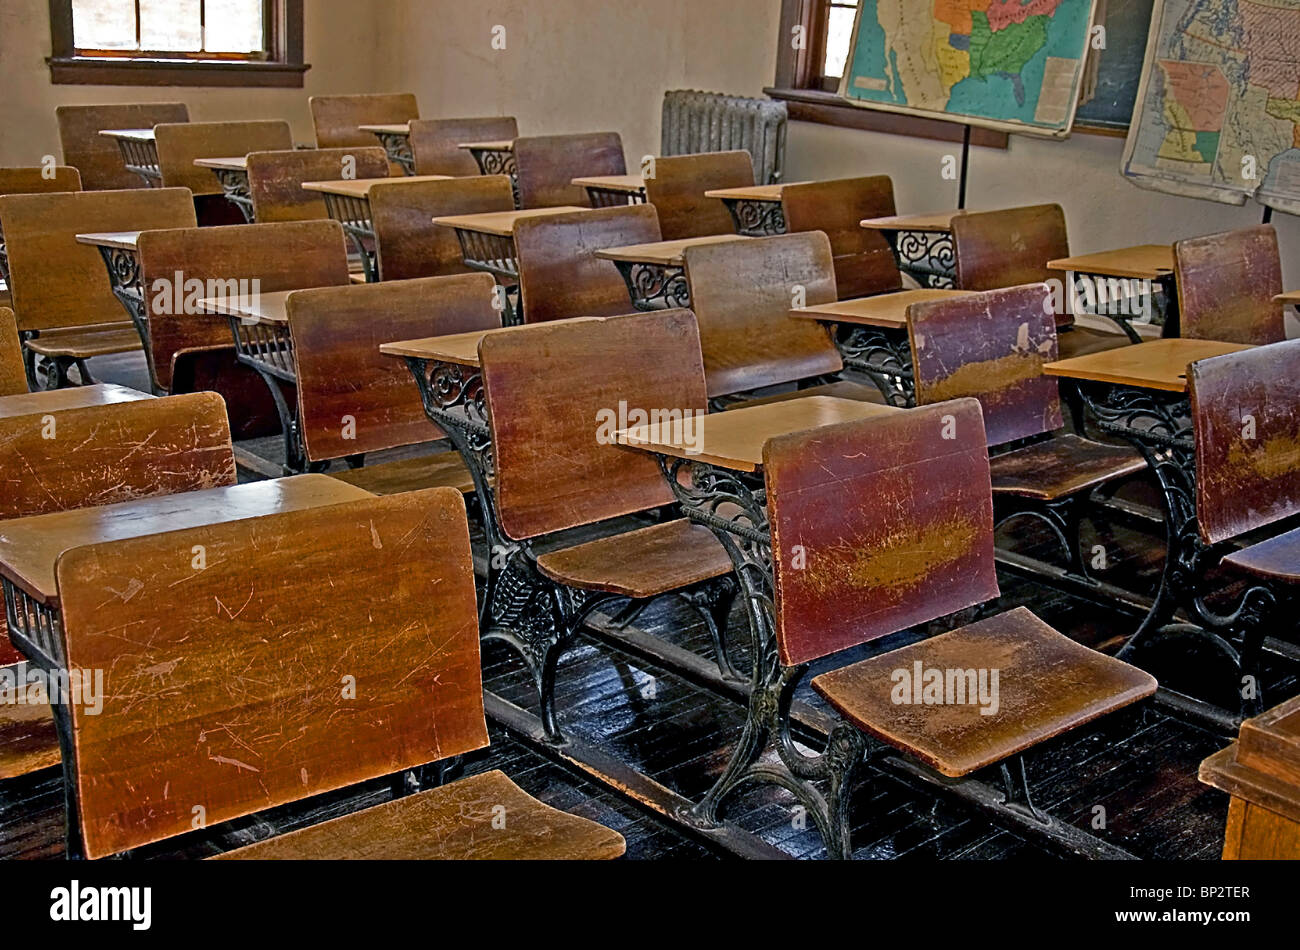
pixel 177 42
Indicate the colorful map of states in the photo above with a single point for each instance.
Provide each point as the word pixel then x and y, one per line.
pixel 1195 107
pixel 961 40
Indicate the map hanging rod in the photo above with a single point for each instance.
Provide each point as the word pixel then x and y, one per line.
pixel 965 164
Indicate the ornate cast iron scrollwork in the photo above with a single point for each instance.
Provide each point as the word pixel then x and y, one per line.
pixel 735 509
pixel 654 286
pixel 928 256
pixel 398 147
pixel 883 356
pixel 757 218
pixel 234 185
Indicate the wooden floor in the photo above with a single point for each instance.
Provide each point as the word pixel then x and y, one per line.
pixel 1136 769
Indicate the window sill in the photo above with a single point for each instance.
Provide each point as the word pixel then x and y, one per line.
pixel 120 71
pixel 826 108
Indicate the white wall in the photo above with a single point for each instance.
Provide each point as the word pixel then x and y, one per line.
pixel 594 64
pixel 349 58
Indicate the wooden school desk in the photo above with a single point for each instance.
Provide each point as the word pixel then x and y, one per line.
pixel 756 210
pixel 612 191
pixel 348 202
pixel 396 140
pixel 922 245
pixel 139 150
pixel 232 172
pixel 1153 263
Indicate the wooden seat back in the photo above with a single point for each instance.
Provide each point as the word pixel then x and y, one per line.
pixel 1247 431
pixel 338 119
pixel 864 262
pixel 742 293
pixel 98 157
pixel 58 459
pixel 1226 286
pixel 180 143
pixel 13 378
pixel 546 165
pixel 32 179
pixel 435 143
pixel 877 526
pixel 104 454
pixel 549 386
pixel 275 179
pixel 351 397
pixel 243 693
pixel 56 282
pixel 990 346
pixel 677 187
pixel 559 273
pixel 407 242
pixel 286 256
pixel 1010 248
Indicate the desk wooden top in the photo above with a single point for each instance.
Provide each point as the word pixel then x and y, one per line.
pixel 734 439
pixel 74 397
pixel 458 348
pixel 933 221
pixel 139 135
pixel 122 240
pixel 231 163
pixel 399 128
pixel 500 145
pixel 1155 364
pixel 750 193
pixel 29 547
pixel 630 184
pixel 663 253
pixel 884 310
pixel 360 187
pixel 260 308
pixel 1291 297
pixel 1145 262
pixel 500 223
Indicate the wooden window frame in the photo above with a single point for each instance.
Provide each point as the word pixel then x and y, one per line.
pixel 799 83
pixel 280 66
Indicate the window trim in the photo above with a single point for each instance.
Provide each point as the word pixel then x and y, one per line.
pixel 282 65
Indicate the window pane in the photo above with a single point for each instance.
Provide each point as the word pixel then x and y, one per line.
pixel 103 24
pixel 839 36
pixel 170 25
pixel 234 26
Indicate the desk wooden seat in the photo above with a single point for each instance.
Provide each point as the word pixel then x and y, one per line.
pixel 31 180
pixel 547 164
pixel 97 158
pixel 1048 685
pixel 561 275
pixel 1227 285
pixel 641 564
pixel 677 192
pixel 418 695
pixel 864 261
pixel 28 741
pixel 451 823
pixel 1276 558
pixel 1063 466
pixel 275 179
pixel 445 469
pixel 84 344
pixel 435 143
pixel 180 143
